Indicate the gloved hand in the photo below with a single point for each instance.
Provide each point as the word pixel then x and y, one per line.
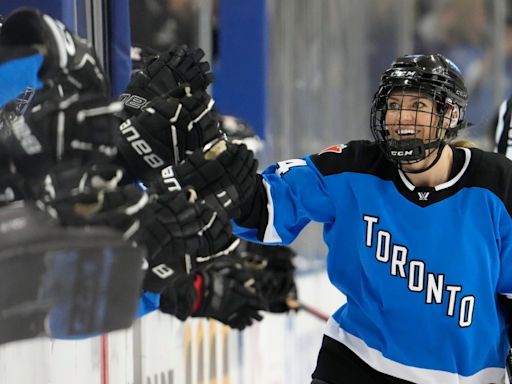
pixel 168 130
pixel 177 232
pixel 141 56
pixel 225 176
pixel 180 236
pixel 67 59
pixel 179 296
pixel 229 294
pixel 273 270
pixel 80 128
pixel 89 195
pixel 268 270
pixel 166 72
pixel 63 149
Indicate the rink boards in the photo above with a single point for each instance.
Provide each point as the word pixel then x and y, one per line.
pixel 159 349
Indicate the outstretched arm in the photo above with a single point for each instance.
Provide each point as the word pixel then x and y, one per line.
pixel 288 196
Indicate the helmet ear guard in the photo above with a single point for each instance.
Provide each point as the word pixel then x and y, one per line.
pixel 454 117
pixel 457 121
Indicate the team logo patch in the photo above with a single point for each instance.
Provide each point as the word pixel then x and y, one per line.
pixel 338 148
pixel 423 196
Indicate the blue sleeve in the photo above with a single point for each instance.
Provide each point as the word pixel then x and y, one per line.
pixel 296 195
pixel 18 74
pixel 148 303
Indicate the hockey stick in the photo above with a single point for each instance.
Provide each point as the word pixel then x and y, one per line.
pixel 299 305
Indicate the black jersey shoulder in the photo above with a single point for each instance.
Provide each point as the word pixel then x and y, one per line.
pixel 360 156
pixel 492 171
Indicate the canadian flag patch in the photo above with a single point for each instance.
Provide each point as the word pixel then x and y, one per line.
pixel 338 148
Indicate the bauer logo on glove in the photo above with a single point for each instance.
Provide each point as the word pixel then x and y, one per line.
pixel 167 131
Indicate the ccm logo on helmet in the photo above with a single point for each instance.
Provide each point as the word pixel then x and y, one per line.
pixel 140 145
pixel 402 153
pixel 402 73
pixel 461 93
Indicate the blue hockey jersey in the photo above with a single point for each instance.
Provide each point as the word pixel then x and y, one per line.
pixel 422 268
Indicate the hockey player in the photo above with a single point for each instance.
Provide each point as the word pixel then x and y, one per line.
pixel 418 232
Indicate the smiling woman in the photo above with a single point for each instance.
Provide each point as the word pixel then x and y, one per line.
pixel 419 99
pixel 409 115
pixel 419 234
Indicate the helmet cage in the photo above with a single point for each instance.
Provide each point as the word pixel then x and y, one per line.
pixel 412 150
pixel 433 77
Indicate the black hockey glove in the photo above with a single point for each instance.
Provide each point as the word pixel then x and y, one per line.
pixel 166 132
pixel 179 296
pixel 273 270
pixel 79 129
pixel 166 72
pixel 229 294
pixel 225 176
pixel 81 196
pixel 179 236
pixel 68 59
pixel 141 56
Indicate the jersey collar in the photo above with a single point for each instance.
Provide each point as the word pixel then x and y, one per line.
pixel 411 187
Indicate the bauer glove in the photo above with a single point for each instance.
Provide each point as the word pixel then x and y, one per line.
pixel 166 72
pixel 167 131
pixel 180 236
pixel 177 234
pixel 179 296
pixel 229 295
pixel 225 176
pixel 273 270
pixel 78 128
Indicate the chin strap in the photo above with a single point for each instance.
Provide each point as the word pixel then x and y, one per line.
pixel 438 156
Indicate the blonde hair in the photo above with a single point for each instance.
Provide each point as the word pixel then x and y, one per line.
pixel 464 143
